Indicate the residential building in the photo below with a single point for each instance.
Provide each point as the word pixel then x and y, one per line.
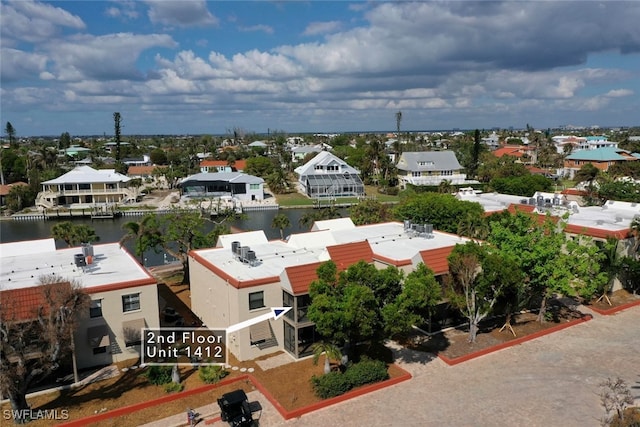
pixel 246 274
pixel 492 141
pixel 612 219
pixel 143 172
pixel 85 185
pixel 328 176
pixel 124 296
pixel 5 189
pixel 212 166
pixel 223 184
pixel 596 142
pixel 299 153
pixel 144 160
pixel 601 158
pixel 429 168
pixel 523 153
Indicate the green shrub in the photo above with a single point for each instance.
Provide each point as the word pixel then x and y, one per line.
pixel 330 385
pixel 211 374
pixel 158 375
pixel 173 387
pixel 366 371
pixel 335 383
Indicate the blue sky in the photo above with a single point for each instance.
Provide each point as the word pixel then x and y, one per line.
pixel 197 67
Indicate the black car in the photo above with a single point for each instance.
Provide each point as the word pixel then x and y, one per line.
pixel 237 410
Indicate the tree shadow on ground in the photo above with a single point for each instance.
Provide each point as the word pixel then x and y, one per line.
pixel 79 395
pixel 417 347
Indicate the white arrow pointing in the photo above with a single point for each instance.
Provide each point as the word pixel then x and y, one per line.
pixel 275 313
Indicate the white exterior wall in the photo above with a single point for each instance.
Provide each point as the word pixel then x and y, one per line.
pixel 219 304
pixel 113 317
pixel 458 178
pixel 240 342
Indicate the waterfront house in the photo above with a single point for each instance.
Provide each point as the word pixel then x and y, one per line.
pixel 429 168
pixel 85 185
pixel 5 189
pixel 223 184
pixel 328 176
pixel 246 274
pixel 124 296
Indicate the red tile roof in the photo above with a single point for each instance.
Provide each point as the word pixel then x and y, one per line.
pixel 436 259
pixel 597 232
pixel 238 165
pixel 20 304
pixel 4 189
pixel 301 276
pixel 142 170
pixel 513 208
pixel 348 254
pixel 574 192
pixel 510 150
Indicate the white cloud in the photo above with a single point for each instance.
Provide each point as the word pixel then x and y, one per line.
pixel 181 13
pixel 112 56
pixel 253 28
pixel 447 63
pixel 17 64
pixel 316 28
pixel 617 93
pixel 34 21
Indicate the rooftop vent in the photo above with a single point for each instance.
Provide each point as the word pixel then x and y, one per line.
pixel 79 260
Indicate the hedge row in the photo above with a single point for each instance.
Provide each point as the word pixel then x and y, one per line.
pixel 336 383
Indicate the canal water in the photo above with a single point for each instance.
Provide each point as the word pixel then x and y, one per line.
pixel 110 230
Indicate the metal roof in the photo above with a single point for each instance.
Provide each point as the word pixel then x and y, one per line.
pixel 87 174
pixel 428 161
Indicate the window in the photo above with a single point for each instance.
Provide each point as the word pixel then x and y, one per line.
pixel 287 301
pixel 95 310
pixel 99 350
pixel 256 300
pixel 254 186
pixel 130 302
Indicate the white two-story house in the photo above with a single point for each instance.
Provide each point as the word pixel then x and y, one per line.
pixel 329 176
pixel 429 168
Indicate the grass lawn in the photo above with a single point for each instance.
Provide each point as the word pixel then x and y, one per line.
pixel 299 199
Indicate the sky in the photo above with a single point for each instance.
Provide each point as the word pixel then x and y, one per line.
pixel 208 67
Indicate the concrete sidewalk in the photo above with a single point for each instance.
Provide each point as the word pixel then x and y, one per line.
pixel 208 413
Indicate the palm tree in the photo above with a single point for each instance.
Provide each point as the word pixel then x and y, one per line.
pixel 397 145
pixel 281 221
pixel 331 351
pixel 11 133
pixel 63 231
pixel 144 233
pixel 446 187
pixel 473 227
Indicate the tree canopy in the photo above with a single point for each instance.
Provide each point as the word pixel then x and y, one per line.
pixel 444 211
pixel 73 234
pixel 48 333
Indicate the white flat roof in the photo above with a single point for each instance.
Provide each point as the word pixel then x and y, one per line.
pixel 111 264
pixel 388 240
pixel 490 202
pixel 272 258
pixel 612 216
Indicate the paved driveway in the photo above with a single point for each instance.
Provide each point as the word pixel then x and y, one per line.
pixel 551 381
